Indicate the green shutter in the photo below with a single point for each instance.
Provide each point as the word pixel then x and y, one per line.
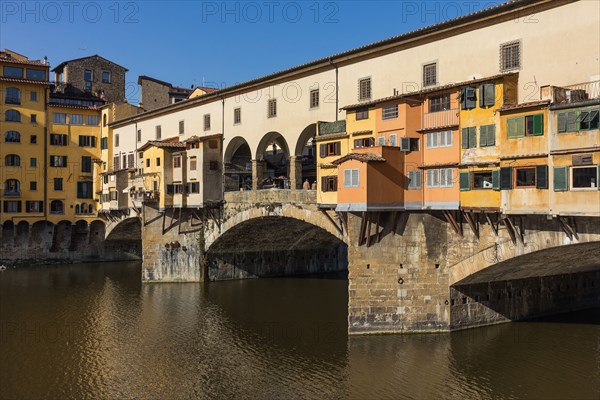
pixel 505 178
pixel 472 137
pixel 465 181
pixel 561 179
pixel 463 99
pixel 598 177
pixel 490 94
pixel 491 139
pixel 511 127
pixel 483 135
pixel 323 150
pixel 572 124
pixel 496 179
pixel 521 127
pixel 541 176
pixel 562 122
pixel 471 94
pixel 465 138
pixel 538 124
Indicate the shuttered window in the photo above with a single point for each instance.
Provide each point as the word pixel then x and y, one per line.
pixel 561 179
pixel 505 178
pixel 329 183
pixel 330 149
pixel 469 138
pixel 465 181
pixel 515 127
pixel 364 89
pixel 535 125
pixel 487 95
pixel 541 176
pixel 468 98
pixel 86 164
pixel 496 179
pixel 487 135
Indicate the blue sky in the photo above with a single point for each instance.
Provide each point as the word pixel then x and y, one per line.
pixel 212 42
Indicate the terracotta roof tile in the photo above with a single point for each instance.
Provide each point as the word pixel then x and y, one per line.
pixel 17 80
pixel 170 143
pixel 362 157
pixel 332 136
pixel 26 62
pixel 196 138
pixel 525 105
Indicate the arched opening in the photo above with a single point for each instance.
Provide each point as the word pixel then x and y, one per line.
pixel 22 233
pixel 124 241
pixel 62 237
pixel 275 246
pixel 12 187
pixel 57 207
pixel 273 162
pixel 306 158
pixel 40 238
pixel 8 234
pixel 12 137
pixel 12 116
pixel 238 165
pixel 12 160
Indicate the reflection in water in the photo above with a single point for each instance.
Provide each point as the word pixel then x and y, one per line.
pixel 94 331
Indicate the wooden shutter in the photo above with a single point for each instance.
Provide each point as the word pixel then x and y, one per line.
pixel 538 124
pixel 405 144
pixel 562 122
pixel 337 148
pixel 521 127
pixel 572 124
pixel 324 184
pixel 561 179
pixel 598 177
pixel 490 94
pixel 511 127
pixel 506 178
pixel 323 150
pixel 463 99
pixel 483 135
pixel 465 138
pixel 465 181
pixel 472 137
pixel 471 95
pixel 491 135
pixel 541 176
pixel 496 179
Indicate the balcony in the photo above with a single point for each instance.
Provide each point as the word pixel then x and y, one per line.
pixel 578 93
pixel 12 193
pixel 440 119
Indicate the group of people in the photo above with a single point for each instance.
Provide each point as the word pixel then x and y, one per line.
pixel 307 186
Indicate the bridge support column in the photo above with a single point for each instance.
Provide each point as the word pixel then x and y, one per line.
pixel 258 171
pixel 295 172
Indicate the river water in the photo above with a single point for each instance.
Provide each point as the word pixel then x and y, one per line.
pixel 94 331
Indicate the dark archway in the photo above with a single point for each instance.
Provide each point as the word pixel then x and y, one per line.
pixel 275 246
pixel 273 154
pixel 306 155
pixel 125 240
pixel 238 165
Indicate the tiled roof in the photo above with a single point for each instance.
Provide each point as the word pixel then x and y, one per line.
pixel 427 91
pixel 18 80
pixel 362 157
pixel 26 62
pixel 170 143
pixel 438 165
pixel 525 105
pixel 524 155
pixel 363 132
pixel 62 64
pixel 330 137
pixel 197 138
pixel 78 107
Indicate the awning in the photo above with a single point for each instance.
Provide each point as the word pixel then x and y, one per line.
pixel 128 188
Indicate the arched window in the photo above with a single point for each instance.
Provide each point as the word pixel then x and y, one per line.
pixel 13 95
pixel 12 137
pixel 12 187
pixel 77 209
pixel 12 116
pixel 12 160
pixel 57 207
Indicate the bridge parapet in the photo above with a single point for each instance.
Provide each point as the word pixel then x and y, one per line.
pixel 269 196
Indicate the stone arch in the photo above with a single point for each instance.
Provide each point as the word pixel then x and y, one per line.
pixel 8 231
pixel 62 236
pixel 124 229
pixel 305 136
pixel 305 162
pixel 22 233
pixel 236 158
pixel 41 236
pixel 97 231
pixel 273 161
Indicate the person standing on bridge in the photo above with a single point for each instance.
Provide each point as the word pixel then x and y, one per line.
pixel 306 185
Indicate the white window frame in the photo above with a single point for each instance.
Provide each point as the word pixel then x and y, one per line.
pixel 437 138
pixel 440 178
pixel 351 178
pixel 381 141
pixel 413 183
pixel 390 112
pixel 583 189
pixel 394 140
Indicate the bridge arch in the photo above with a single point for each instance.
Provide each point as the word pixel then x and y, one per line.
pixel 129 228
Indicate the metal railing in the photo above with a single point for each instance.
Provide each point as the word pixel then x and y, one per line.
pixel 432 120
pixel 577 93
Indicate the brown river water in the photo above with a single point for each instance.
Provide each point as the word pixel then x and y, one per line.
pixel 94 331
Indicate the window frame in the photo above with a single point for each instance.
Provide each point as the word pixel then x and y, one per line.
pixel 108 80
pixel 365 88
pixel 516 65
pixel 491 181
pixel 572 178
pixel 350 183
pixel 389 112
pixel 271 108
pixel 515 178
pixel 314 99
pixel 237 115
pixel 426 77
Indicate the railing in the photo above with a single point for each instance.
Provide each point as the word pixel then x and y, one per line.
pixel 12 193
pixel 432 120
pixel 577 93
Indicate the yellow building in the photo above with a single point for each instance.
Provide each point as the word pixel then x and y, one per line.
pixel 332 142
pixel 24 89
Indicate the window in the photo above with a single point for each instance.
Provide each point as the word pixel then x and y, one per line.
pixel 87 75
pixel 12 116
pixel 430 74
pixel 366 142
pixel 113 195
pixel 116 163
pixel 105 76
pixel 13 96
pixel 33 118
pixel 206 122
pixel 12 187
pixel 147 163
pixel 58 184
pixel 58 161
pixel 330 149
pixel 59 118
pixel 12 137
pixel 483 180
pixel 487 135
pixel 469 138
pixel 76 119
pixel 158 161
pixel 33 185
pixel 181 129
pixel 390 112
pixel 34 206
pixel 58 139
pixel 12 160
pixel 33 162
pixel 329 183
pixel 381 141
pixel 510 56
pixel 87 141
pixel 314 98
pixel 530 125
pixel 440 178
pixel 439 103
pixel 84 190
pixel 32 96
pixel 104 120
pixel 178 188
pixel 84 208
pixel 158 132
pixel 193 164
pixel 272 108
pixel 13 72
pixel 86 164
pixel 584 177
pixel 468 98
pixel 91 120
pixel 578 120
pixel 351 178
pixel 139 135
pixel 364 89
pixel 12 206
pixel 439 139
pixel 117 140
pixel 394 140
pixel 36 74
pixel 57 207
pixel 33 139
pixel 487 95
pixel 525 177
pixel 415 179
pixel 177 162
pixel 193 187
pixel 237 115
pixel 362 113
pixel 103 143
pixel 130 161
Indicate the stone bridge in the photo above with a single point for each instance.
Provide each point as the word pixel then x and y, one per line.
pixel 407 271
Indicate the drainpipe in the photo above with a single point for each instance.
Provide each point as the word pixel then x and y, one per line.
pixel 336 88
pixel 45 169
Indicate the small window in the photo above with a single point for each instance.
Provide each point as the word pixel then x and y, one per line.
pixel 33 139
pixel 33 118
pixel 33 185
pixel 468 98
pixel 329 149
pixel 510 56
pixel 104 120
pixel 147 163
pixel 117 140
pixel 440 178
pixel 206 122
pixel 430 74
pixel 415 179
pixel 12 160
pixel 439 139
pixel 351 178
pixel 158 161
pixel 139 135
pixel 525 177
pixel 105 76
pixel 314 98
pixel 177 162
pixel 394 140
pixel 237 115
pixel 58 161
pixel 12 137
pixel 58 184
pixel 381 141
pixel 329 183
pixel 482 180
pixel 91 120
pixel 12 187
pixel 362 113
pixel 487 135
pixel 390 112
pixel 272 108
pixel 439 103
pixel 584 177
pixel 32 96
pixel 87 141
pixel 469 138
pixel 33 162
pixel 364 89
pixel 86 164
pixel 130 160
pixel 158 132
pixel 534 125
pixel 366 142
pixel 84 190
pixel 181 129
pixel 103 143
pixel 13 96
pixel 193 164
pixel 88 75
